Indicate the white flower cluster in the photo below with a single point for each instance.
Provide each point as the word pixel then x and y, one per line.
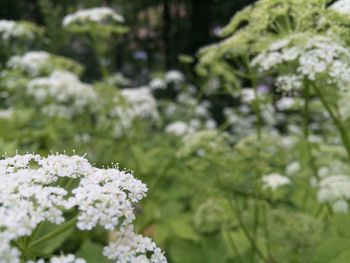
pixel 30 194
pixel 341 6
pixel 288 103
pixel 289 83
pixel 12 29
pixel 179 128
pixel 174 76
pixel 275 181
pixel 62 94
pixel 95 15
pixel 171 77
pixel 70 258
pixel 130 247
pixel 31 63
pixel 315 57
pixel 157 84
pixel 335 190
pixel 7 113
pixel 133 104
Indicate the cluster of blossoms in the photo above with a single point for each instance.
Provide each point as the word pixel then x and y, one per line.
pixel 93 15
pixel 18 30
pixel 336 191
pixel 274 181
pixel 204 143
pixel 127 246
pixel 30 194
pixel 38 63
pixel 341 6
pixel 70 258
pixel 62 94
pixel 171 77
pixel 31 63
pixel 132 104
pixel 314 57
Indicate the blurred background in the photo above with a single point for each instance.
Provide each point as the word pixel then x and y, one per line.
pixel 152 42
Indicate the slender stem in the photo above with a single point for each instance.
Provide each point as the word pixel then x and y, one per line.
pixel 337 122
pixel 246 232
pixel 59 230
pixel 256 224
pixel 254 83
pixel 234 246
pixel 100 55
pixel 310 160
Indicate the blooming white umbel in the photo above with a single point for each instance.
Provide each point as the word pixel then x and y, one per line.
pixel 31 192
pixel 335 189
pixel 133 104
pixel 314 57
pixel 95 15
pixel 341 6
pixel 275 180
pixel 10 29
pixel 130 247
pixel 32 62
pixel 62 94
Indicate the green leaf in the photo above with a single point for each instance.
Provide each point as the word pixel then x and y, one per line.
pixel 92 252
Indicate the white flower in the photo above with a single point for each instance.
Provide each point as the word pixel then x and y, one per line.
pixel 133 104
pixel 289 83
pixel 333 188
pixel 128 247
pixel 286 103
pixel 174 76
pixel 6 114
pixel 275 180
pixel 157 83
pixel 64 94
pixel 70 258
pixel 14 29
pixel 292 168
pixel 96 15
pixel 340 206
pixel 248 95
pixel 314 57
pixel 341 6
pixel 31 62
pixel 178 128
pixel 30 194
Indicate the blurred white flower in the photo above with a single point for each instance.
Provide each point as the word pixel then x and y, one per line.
pixel 127 246
pixel 174 76
pixel 31 62
pixel 341 6
pixel 96 15
pixel 62 94
pixel 275 181
pixel 157 84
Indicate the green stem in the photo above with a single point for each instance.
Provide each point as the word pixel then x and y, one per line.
pixel 234 246
pixel 100 56
pixel 310 160
pixel 246 232
pixel 59 230
pixel 254 82
pixel 337 122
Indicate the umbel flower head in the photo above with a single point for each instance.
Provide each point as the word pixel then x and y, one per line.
pixel 62 94
pixel 321 58
pixel 39 63
pixel 105 19
pixel 19 30
pixel 34 189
